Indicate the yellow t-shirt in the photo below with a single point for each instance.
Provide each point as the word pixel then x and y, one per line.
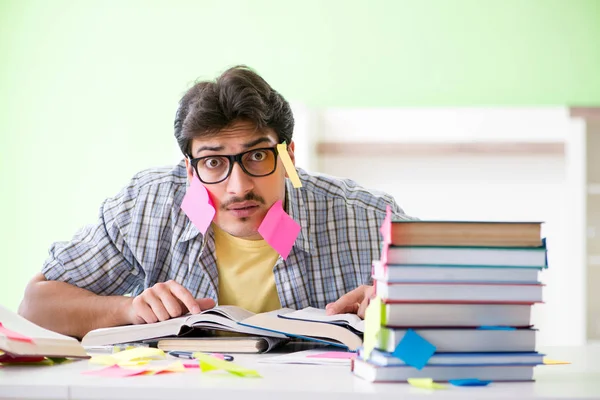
pixel 246 272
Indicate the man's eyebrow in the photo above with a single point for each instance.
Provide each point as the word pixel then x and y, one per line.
pixel 257 141
pixel 210 148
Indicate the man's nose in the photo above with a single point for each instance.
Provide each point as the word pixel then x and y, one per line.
pixel 239 183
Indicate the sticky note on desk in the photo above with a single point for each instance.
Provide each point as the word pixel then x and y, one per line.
pixel 548 361
pixel 425 383
pixel 132 357
pixel 339 355
pixel 197 205
pixel 210 363
pixel 279 229
pixel 414 350
pixel 288 165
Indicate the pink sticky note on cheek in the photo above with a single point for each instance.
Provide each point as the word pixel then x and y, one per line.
pixel 279 230
pixel 198 205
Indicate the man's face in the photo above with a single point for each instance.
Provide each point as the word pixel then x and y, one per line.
pixel 241 201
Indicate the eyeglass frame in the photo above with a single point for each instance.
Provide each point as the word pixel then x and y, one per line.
pixel 235 158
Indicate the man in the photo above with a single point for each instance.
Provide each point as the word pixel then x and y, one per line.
pixel 146 261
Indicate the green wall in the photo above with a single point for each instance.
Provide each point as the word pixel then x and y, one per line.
pixel 88 89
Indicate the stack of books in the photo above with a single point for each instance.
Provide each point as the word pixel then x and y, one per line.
pixel 453 301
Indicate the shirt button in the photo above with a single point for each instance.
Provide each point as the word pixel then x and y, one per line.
pixel 134 272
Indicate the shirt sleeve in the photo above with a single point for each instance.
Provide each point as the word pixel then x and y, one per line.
pixel 98 258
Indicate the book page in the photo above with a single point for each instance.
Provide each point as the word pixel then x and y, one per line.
pixel 18 324
pixel 234 313
pixel 320 315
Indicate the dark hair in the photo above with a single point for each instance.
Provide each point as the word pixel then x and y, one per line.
pixel 238 94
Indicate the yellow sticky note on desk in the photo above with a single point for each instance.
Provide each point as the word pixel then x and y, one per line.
pixel 288 165
pixel 425 383
pixel 177 366
pixel 129 358
pixel 210 363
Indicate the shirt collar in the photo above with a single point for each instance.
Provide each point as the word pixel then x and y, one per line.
pixel 294 206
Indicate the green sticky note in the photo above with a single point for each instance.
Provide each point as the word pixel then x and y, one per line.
pixel 425 383
pixel 210 363
pixel 375 318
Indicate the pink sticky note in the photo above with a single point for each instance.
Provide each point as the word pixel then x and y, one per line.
pixel 191 365
pixel 340 355
pixel 114 371
pixel 386 226
pixel 198 205
pixel 279 229
pixel 12 335
pixel 384 253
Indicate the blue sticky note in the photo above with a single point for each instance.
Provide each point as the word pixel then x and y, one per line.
pixel 469 382
pixel 496 328
pixel 414 350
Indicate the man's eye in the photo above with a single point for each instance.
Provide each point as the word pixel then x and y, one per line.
pixel 212 163
pixel 259 155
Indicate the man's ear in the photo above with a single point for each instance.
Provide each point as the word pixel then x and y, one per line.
pixel 291 148
pixel 189 169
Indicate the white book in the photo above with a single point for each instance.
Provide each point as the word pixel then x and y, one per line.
pixel 467 292
pixel 433 273
pixel 464 340
pixel 33 340
pixel 455 315
pixel 221 318
pixel 374 373
pixel 383 358
pixel 490 256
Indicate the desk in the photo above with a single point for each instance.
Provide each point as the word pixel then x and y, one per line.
pixel 581 379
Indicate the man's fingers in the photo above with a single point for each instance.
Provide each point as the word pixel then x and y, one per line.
pixel 145 313
pixel 205 303
pixel 363 307
pixel 157 305
pixel 184 296
pixel 348 303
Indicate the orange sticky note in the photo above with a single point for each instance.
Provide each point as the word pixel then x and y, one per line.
pixel 288 165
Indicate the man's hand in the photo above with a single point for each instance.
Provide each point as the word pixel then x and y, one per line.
pixel 354 302
pixel 163 301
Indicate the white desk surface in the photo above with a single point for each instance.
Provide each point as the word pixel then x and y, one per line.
pixel 581 379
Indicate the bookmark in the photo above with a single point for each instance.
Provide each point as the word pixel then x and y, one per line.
pixel 198 205
pixel 288 165
pixel 12 335
pixel 279 230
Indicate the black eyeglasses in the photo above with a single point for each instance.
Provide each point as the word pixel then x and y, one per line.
pixel 217 168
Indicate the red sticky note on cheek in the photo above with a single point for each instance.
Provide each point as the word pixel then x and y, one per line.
pixel 198 205
pixel 279 230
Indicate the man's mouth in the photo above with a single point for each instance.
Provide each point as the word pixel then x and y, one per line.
pixel 243 210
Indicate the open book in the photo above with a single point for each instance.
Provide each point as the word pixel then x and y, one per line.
pixel 21 339
pixel 310 324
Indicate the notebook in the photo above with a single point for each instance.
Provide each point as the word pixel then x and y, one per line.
pixel 316 327
pixel 20 338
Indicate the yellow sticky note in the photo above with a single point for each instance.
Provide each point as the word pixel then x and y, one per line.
pixel 375 318
pixel 138 354
pixel 177 366
pixel 548 361
pixel 288 165
pixel 210 363
pixel 425 383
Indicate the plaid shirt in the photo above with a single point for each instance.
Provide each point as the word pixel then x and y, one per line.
pixel 143 237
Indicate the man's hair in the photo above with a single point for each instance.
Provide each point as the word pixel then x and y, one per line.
pixel 239 94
